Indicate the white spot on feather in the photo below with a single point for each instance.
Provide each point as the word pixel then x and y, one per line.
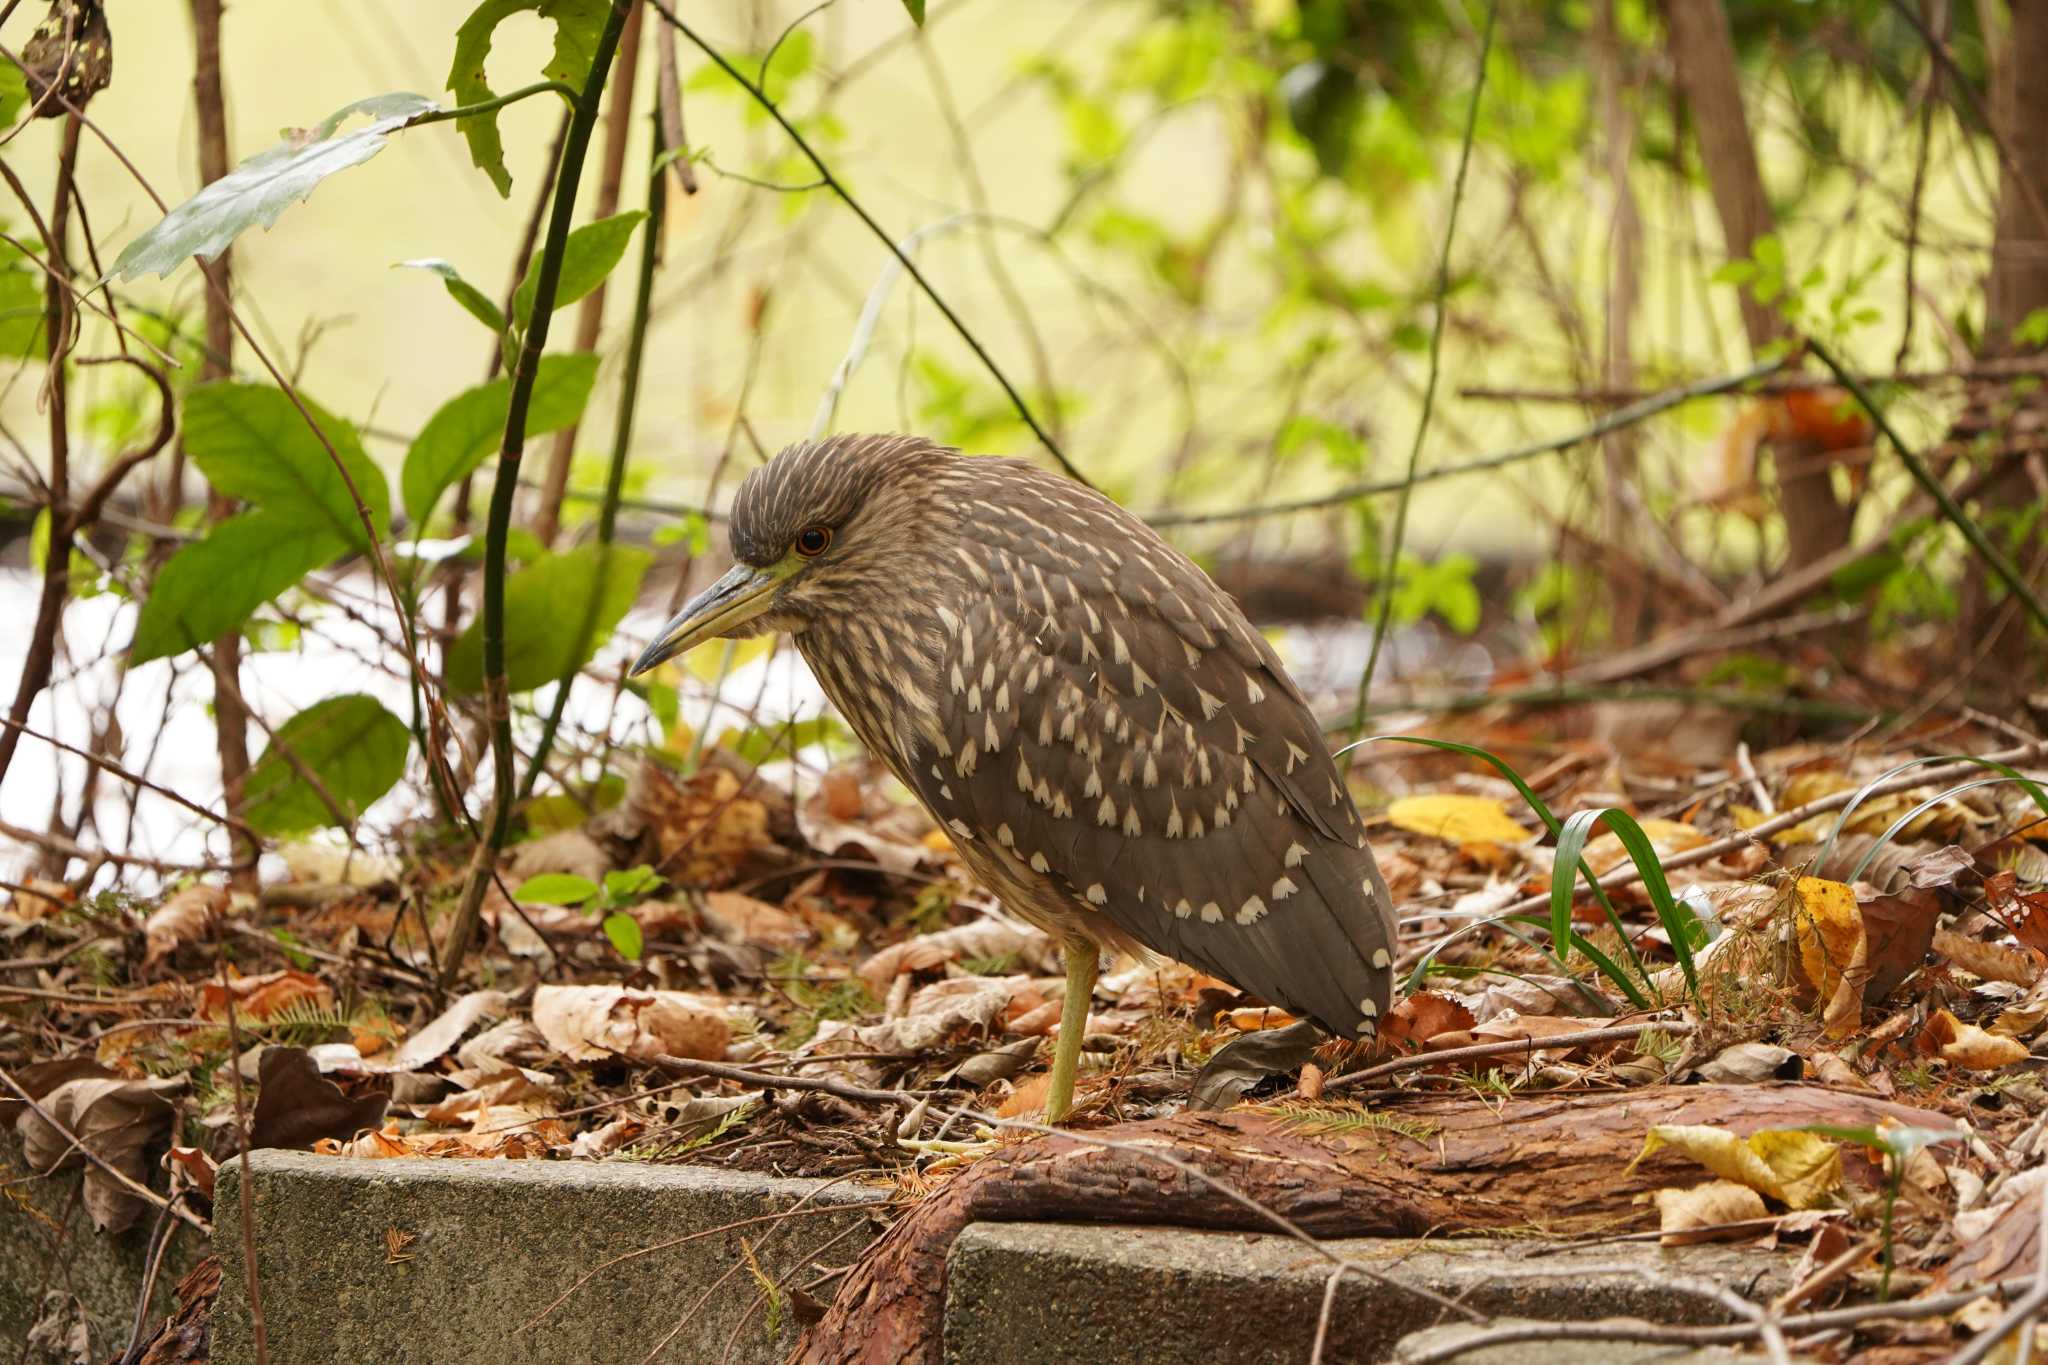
pixel 1096 895
pixel 1251 911
pixel 1295 853
pixel 1212 913
pixel 1039 864
pixel 1282 889
pixel 1382 958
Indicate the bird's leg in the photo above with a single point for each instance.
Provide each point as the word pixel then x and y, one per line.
pixel 1082 958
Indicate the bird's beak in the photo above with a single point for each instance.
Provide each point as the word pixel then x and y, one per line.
pixel 732 601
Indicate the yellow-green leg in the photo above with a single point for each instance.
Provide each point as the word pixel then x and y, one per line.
pixel 1082 961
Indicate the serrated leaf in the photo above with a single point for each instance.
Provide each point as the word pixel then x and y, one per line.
pixel 351 744
pixel 469 426
pixel 473 300
pixel 557 612
pixel 587 257
pixel 210 586
pixel 555 888
pixel 252 443
pixel 624 932
pixel 577 26
pixel 257 191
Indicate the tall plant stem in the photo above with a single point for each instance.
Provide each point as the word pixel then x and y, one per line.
pixel 1436 347
pixel 497 696
pixel 622 440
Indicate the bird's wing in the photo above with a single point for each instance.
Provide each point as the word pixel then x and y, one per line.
pixel 1113 722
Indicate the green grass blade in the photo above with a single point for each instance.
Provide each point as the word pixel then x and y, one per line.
pixel 1911 815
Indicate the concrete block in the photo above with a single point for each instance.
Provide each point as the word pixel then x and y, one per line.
pixel 1025 1293
pixel 1421 1345
pixel 450 1261
pixel 48 1248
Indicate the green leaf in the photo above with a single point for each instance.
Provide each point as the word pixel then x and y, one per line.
pixel 252 443
pixel 210 586
pixel 555 888
pixel 257 191
pixel 557 612
pixel 588 256
pixel 471 425
pixel 21 302
pixel 13 92
pixel 350 743
pixel 624 932
pixel 2032 329
pixel 577 26
pixel 916 8
pixel 473 300
pixel 631 884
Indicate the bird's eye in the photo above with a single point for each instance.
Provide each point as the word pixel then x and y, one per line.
pixel 813 541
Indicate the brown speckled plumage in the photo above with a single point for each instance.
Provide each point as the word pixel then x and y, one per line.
pixel 1112 747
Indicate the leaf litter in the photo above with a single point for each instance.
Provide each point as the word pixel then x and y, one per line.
pixel 829 939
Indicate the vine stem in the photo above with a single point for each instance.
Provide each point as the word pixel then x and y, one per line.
pixel 1436 345
pixel 505 486
pixel 622 439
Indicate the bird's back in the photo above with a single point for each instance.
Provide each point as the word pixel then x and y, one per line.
pixel 1113 736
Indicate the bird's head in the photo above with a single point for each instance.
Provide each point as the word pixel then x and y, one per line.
pixel 818 531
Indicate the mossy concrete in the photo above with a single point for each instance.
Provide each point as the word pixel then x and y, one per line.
pixel 459 1262
pixel 52 1261
pixel 1024 1293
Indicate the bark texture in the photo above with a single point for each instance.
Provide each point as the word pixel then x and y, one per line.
pixel 1551 1164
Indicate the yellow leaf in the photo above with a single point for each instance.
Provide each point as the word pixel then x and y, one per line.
pixel 1666 836
pixel 1681 1213
pixel 1457 819
pixel 1833 950
pixel 937 842
pixel 1970 1047
pixel 1797 1169
pixel 708 664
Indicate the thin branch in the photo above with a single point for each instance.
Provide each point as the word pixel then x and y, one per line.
pixel 910 267
pixel 1436 346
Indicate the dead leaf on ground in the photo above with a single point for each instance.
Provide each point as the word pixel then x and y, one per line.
pixel 389 1142
pixel 1968 1046
pixel 990 937
pixel 198 1166
pixel 296 1106
pixel 1749 1063
pixel 1417 1018
pixel 1457 819
pixel 1833 951
pixel 743 919
pixel 1795 1168
pixel 1510 1027
pixel 1605 852
pixel 1991 961
pixel 446 1029
pixel 587 1023
pixel 261 996
pixel 1898 930
pixel 1690 1216
pixel 2024 913
pixel 188 916
pixel 113 1117
pixel 850 815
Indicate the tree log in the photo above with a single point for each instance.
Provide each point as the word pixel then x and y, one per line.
pixel 1553 1164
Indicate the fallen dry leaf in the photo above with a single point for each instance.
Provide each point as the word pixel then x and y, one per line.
pixel 1457 819
pixel 1967 1046
pixel 1690 1216
pixel 587 1023
pixel 296 1106
pixel 1991 961
pixel 1417 1018
pixel 2024 913
pixel 113 1117
pixel 1796 1169
pixel 742 919
pixel 1605 852
pixel 990 937
pixel 1833 951
pixel 445 1031
pixel 261 996
pixel 189 915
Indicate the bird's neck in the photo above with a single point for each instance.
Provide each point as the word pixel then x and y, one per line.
pixel 881 678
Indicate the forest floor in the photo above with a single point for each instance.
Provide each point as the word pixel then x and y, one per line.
pixel 714 971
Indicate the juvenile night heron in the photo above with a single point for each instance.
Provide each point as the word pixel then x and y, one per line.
pixel 1111 746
